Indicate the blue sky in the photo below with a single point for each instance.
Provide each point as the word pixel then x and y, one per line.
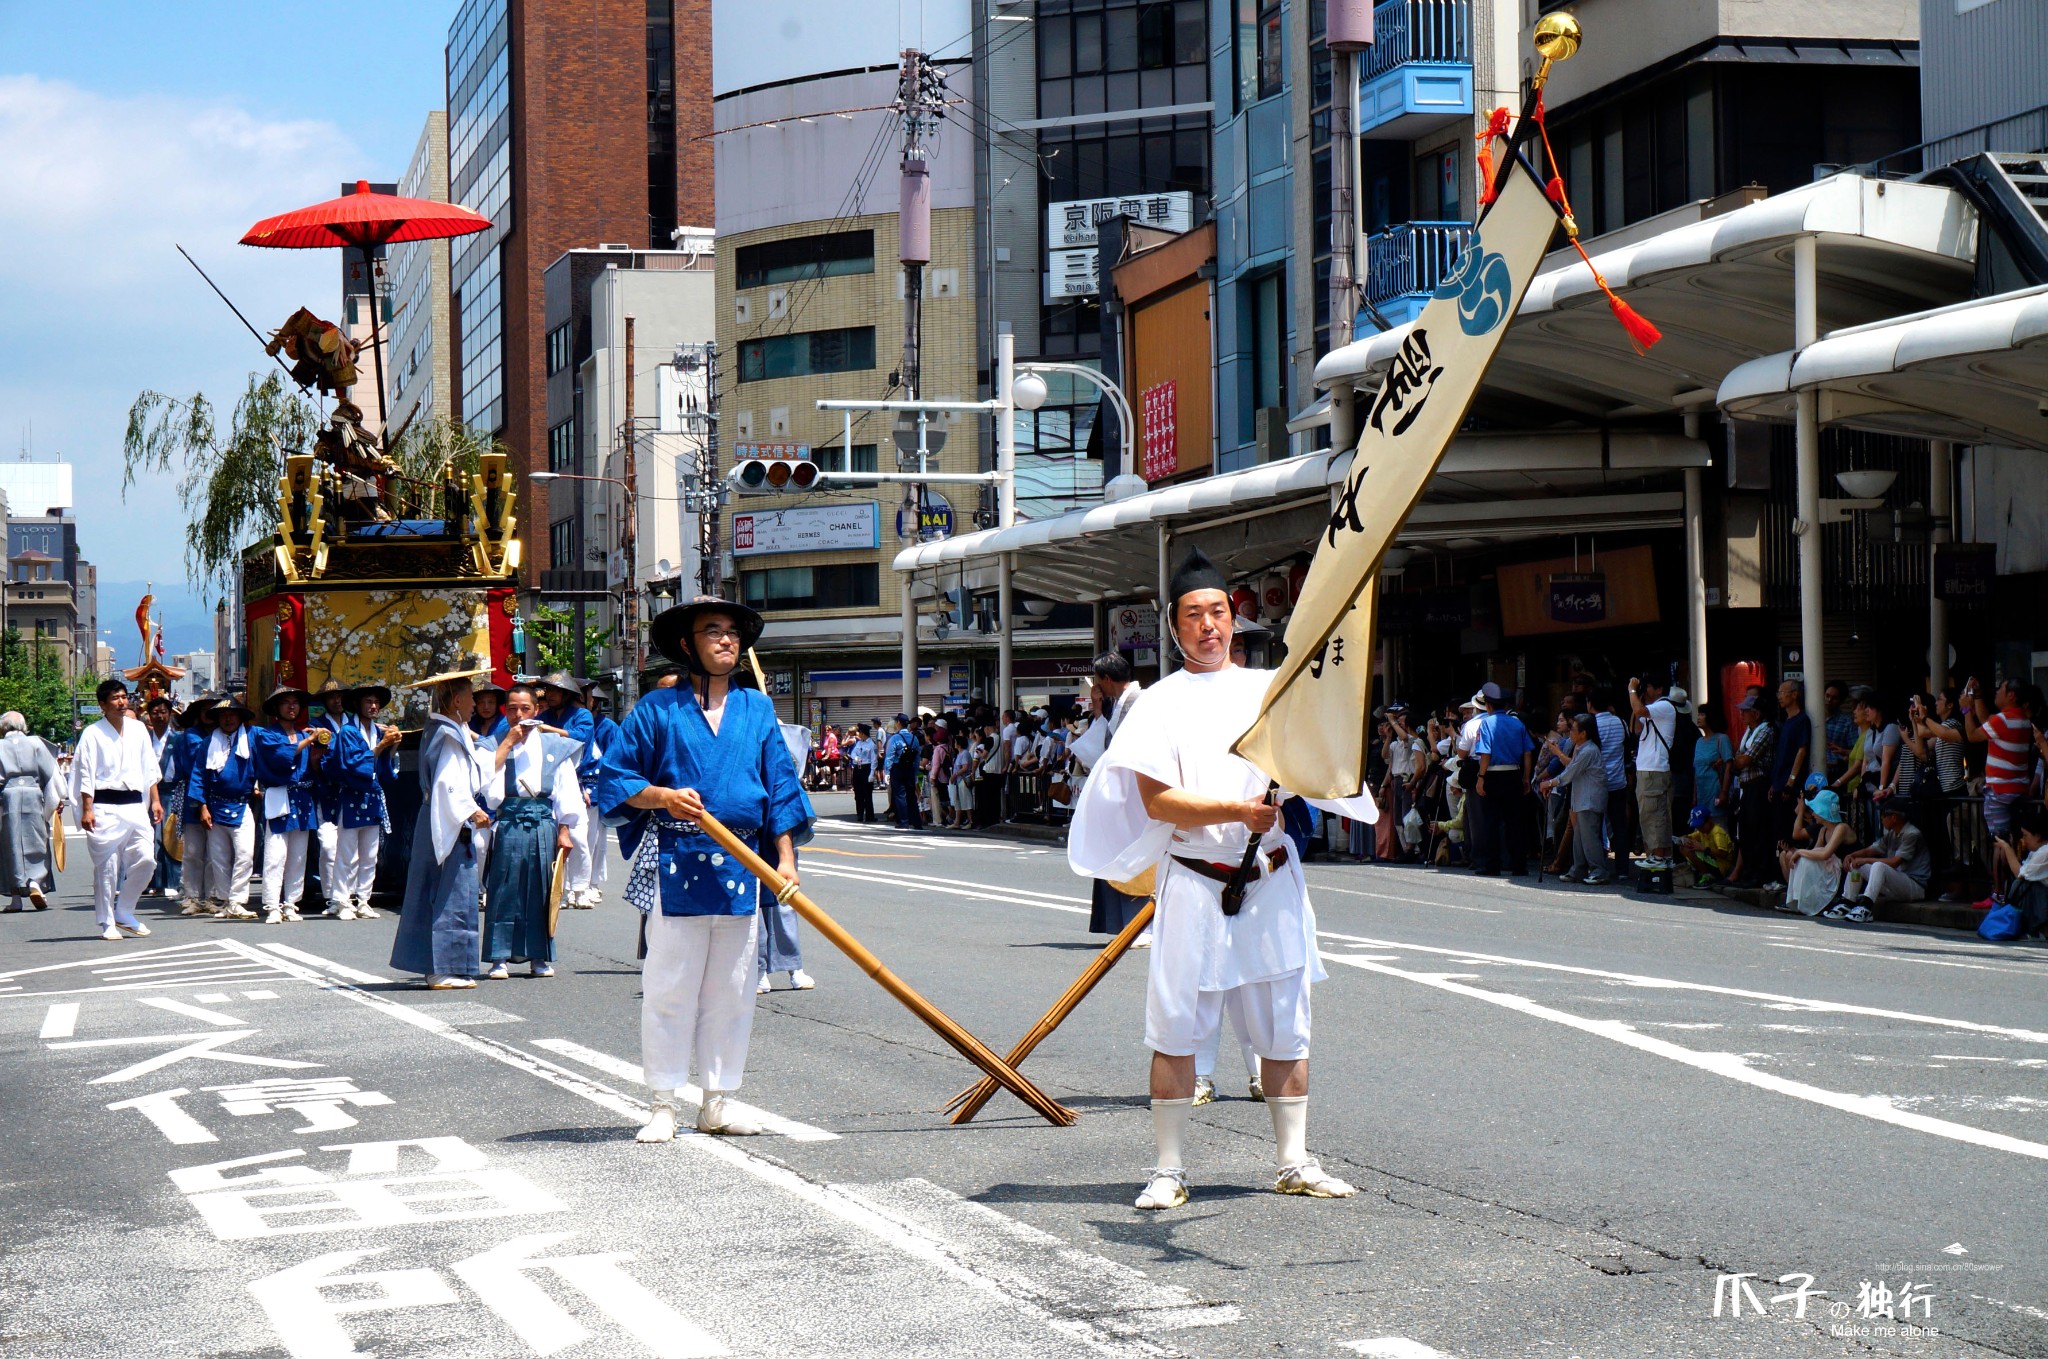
pixel 127 129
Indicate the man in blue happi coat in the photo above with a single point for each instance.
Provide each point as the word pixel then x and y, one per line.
pixel 588 869
pixel 194 728
pixel 704 745
pixel 437 934
pixel 535 801
pixel 901 758
pixel 364 763
pixel 219 786
pixel 287 754
pixel 330 710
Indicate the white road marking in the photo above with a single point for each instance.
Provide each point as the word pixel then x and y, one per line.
pixel 100 961
pixel 214 997
pixel 927 885
pixel 499 1277
pixel 1406 901
pixel 1734 1066
pixel 161 1109
pixel 253 995
pixel 196 1045
pixel 2035 1312
pixel 1030 1298
pixel 1901 958
pixel 1393 1347
pixel 179 1007
pixel 629 1071
pixel 61 1021
pixel 328 964
pixel 1668 984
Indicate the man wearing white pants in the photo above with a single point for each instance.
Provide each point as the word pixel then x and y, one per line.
pixel 286 754
pixel 332 701
pixel 662 774
pixel 217 793
pixel 1896 868
pixel 363 765
pixel 119 809
pixel 587 866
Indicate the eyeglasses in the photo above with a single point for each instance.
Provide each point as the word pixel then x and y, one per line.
pixel 715 633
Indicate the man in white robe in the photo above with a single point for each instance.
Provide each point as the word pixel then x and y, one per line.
pixel 119 810
pixel 1169 795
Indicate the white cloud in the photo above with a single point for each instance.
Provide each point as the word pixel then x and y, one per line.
pixel 95 302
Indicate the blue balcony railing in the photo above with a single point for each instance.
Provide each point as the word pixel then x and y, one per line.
pixel 1405 263
pixel 1417 30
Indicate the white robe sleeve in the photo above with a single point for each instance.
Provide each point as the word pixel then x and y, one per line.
pixel 1112 835
pixel 566 795
pixel 451 799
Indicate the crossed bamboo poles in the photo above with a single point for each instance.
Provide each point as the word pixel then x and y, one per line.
pixel 966 1044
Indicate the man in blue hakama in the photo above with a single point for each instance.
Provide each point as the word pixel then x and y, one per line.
pixel 535 802
pixel 437 926
pixel 703 745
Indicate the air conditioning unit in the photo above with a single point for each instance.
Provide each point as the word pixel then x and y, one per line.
pixel 743 310
pixel 1269 433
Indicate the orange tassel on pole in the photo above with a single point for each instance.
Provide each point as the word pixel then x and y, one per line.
pixel 1496 126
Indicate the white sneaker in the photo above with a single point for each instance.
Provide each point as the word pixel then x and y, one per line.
pixel 763 986
pixel 1168 1188
pixel 801 980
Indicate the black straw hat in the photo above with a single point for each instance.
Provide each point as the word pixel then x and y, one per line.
pixel 672 630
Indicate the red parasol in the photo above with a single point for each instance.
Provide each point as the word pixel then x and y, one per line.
pixel 365 220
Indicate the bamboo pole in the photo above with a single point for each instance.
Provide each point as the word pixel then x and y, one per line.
pixel 963 1042
pixel 970 1101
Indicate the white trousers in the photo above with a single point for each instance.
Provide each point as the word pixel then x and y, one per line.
pixel 586 867
pixel 1178 1020
pixel 196 843
pixel 230 855
pixel 697 999
pixel 1882 882
pixel 355 863
pixel 1212 1046
pixel 284 868
pixel 123 848
pixel 328 836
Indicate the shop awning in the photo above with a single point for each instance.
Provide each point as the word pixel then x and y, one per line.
pixel 1720 290
pixel 1973 373
pixel 1488 489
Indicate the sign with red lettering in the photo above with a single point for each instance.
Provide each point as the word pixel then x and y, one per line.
pixel 1159 450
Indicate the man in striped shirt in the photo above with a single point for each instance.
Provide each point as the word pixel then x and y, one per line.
pixel 2008 739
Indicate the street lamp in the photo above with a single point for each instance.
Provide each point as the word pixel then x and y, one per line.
pixel 628 583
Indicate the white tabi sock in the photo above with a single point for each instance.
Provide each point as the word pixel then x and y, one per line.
pixel 1169 1121
pixel 1290 1127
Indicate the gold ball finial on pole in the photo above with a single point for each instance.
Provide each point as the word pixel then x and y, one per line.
pixel 1557 38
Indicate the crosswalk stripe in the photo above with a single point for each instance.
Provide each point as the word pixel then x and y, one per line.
pixel 1393 1347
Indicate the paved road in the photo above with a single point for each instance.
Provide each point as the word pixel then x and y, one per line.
pixel 1572 1115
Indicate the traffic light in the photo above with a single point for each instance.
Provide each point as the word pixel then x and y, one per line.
pixel 774 476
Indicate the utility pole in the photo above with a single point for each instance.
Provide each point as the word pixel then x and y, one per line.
pixel 703 492
pixel 1347 32
pixel 631 476
pixel 919 92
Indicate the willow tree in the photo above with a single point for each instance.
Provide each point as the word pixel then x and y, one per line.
pixel 228 480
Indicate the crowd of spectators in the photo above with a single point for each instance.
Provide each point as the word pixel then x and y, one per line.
pixel 1921 795
pixel 1934 793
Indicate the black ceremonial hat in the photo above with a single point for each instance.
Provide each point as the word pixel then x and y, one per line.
pixel 1195 572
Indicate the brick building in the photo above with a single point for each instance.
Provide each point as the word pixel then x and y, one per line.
pixel 571 123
